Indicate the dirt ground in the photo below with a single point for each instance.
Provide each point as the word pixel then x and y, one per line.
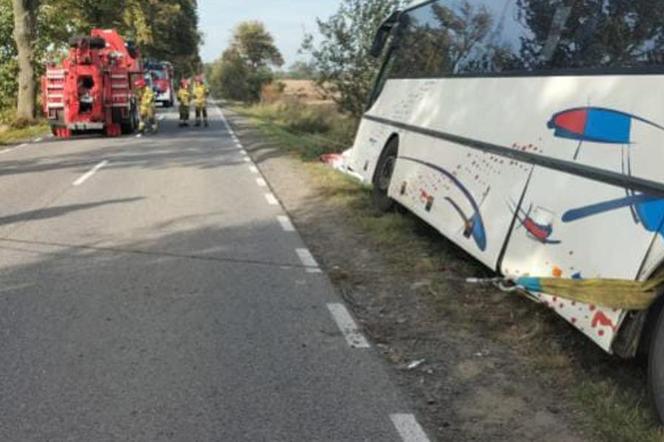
pixel 465 386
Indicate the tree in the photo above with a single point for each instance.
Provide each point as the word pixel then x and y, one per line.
pixel 246 66
pixel 346 70
pixel 252 41
pixel 301 70
pixel 164 29
pixel 8 65
pixel 25 35
pixel 228 77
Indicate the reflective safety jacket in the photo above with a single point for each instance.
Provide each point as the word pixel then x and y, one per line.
pixel 184 96
pixel 200 95
pixel 147 101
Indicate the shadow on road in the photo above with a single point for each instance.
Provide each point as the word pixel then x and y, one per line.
pixel 54 212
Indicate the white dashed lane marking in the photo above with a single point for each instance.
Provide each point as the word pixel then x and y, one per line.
pixel 348 327
pixel 253 169
pixel 261 182
pixel 308 260
pixel 408 428
pixel 271 199
pixel 286 224
pixel 89 174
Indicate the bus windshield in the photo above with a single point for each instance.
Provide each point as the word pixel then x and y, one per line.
pixel 520 37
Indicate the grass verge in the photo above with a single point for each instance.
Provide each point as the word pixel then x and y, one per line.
pixel 608 394
pixel 17 135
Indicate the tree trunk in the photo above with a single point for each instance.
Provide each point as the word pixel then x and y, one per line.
pixel 25 29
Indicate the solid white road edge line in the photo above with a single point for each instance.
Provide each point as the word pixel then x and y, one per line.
pixel 348 327
pixel 92 171
pixel 408 428
pixel 13 148
pixel 261 182
pixel 271 199
pixel 38 140
pixel 286 224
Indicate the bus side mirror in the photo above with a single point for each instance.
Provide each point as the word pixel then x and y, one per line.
pixel 383 34
pixel 379 43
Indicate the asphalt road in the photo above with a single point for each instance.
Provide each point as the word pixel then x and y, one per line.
pixel 153 289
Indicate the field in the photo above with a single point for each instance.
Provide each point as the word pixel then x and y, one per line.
pixel 303 90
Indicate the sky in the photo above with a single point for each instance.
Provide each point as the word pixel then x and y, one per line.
pixel 286 20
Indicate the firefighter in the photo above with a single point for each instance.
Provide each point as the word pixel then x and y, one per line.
pixel 200 93
pixel 146 106
pixel 184 98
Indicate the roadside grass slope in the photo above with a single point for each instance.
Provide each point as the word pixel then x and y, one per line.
pixel 608 393
pixel 14 135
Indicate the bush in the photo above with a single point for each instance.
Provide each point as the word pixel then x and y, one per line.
pixel 302 118
pixel 310 129
pixel 7 115
pixel 272 92
pixel 21 123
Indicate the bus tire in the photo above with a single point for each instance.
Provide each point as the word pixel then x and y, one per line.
pixel 383 176
pixel 656 367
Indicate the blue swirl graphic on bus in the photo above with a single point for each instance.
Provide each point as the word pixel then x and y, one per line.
pixel 473 224
pixel 649 211
pixel 597 125
pixel 610 126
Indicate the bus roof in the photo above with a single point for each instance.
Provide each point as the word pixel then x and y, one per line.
pixel 416 3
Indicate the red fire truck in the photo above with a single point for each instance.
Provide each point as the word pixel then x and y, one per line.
pixel 161 75
pixel 92 89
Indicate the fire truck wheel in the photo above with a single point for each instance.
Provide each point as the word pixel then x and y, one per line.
pixel 656 367
pixel 383 176
pixel 130 125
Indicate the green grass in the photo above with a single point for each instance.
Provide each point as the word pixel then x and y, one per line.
pixel 618 416
pixel 308 130
pixel 18 135
pixel 609 408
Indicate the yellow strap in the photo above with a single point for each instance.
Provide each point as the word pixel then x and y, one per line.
pixel 611 293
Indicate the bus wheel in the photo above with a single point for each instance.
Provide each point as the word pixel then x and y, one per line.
pixel 383 176
pixel 656 367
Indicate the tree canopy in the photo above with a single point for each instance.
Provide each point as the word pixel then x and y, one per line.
pixel 346 70
pixel 246 66
pixel 164 30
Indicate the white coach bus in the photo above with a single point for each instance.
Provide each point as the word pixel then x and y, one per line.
pixel 530 133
